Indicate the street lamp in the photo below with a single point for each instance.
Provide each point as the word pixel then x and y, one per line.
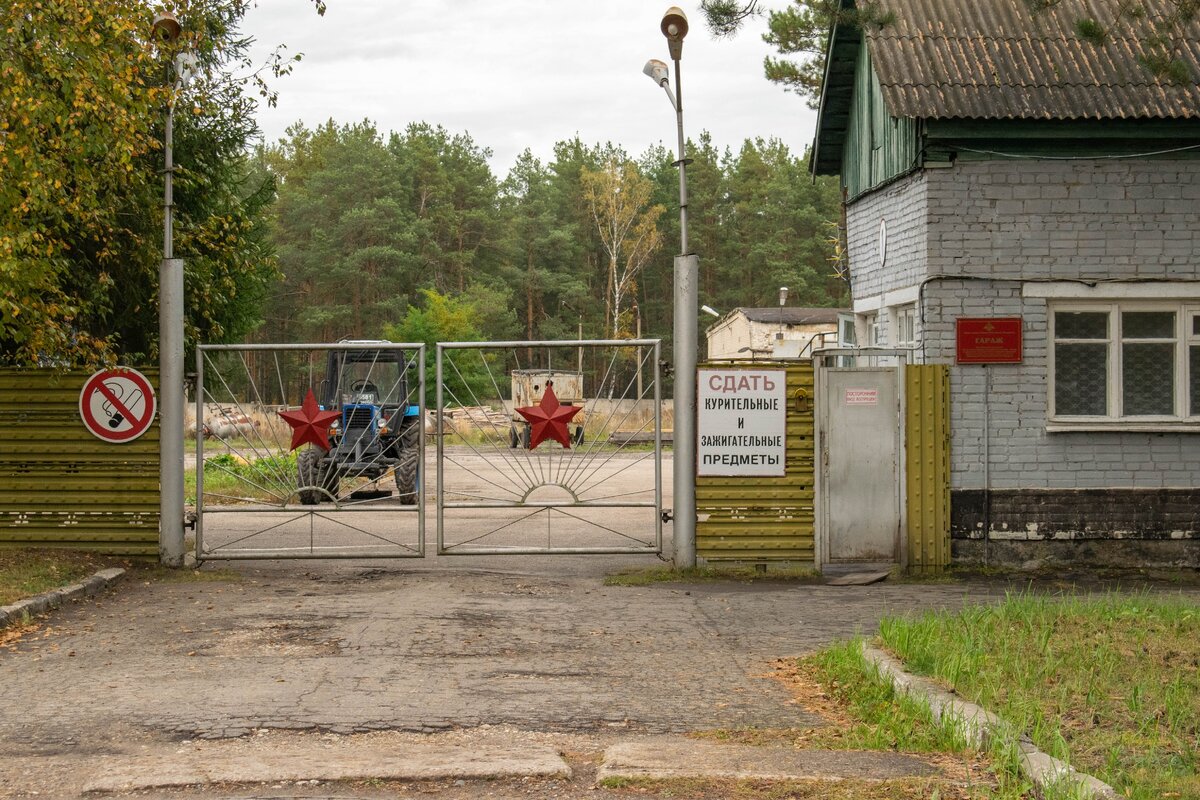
pixel 711 311
pixel 674 26
pixel 783 293
pixel 166 31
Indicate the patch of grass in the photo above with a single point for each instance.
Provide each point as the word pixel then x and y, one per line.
pixel 862 711
pixel 25 572
pixel 868 712
pixel 728 789
pixel 29 571
pixel 228 476
pixel 739 573
pixel 1109 683
pixel 157 572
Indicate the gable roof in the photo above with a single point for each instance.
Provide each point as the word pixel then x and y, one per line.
pixel 996 59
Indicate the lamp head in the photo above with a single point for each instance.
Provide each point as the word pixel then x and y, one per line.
pixel 165 29
pixel 674 26
pixel 783 293
pixel 710 310
pixel 657 71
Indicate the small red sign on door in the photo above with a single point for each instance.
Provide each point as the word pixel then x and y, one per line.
pixel 988 340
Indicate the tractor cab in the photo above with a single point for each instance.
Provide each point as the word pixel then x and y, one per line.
pixel 378 430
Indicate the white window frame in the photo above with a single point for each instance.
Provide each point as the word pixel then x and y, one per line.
pixel 904 321
pixel 876 329
pixel 1184 418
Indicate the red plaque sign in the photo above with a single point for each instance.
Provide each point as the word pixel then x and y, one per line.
pixel 988 340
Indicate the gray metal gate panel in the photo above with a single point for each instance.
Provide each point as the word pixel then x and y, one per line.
pixel 274 527
pixel 510 485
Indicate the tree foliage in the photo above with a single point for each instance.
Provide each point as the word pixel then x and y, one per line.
pixel 467 375
pixel 84 95
pixel 373 229
pixel 627 223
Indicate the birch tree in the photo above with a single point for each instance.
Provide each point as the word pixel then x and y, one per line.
pixel 619 198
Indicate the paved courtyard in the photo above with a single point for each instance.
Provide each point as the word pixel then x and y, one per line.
pixel 536 645
pixel 329 663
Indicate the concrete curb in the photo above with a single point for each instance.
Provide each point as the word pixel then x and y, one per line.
pixel 982 728
pixel 671 757
pixel 48 601
pixel 249 762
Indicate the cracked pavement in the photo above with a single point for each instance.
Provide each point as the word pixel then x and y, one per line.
pixel 535 644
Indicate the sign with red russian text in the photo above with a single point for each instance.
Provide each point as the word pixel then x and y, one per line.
pixel 741 422
pixel 988 340
pixel 117 405
pixel 862 397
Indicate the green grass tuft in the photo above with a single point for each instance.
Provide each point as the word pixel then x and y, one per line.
pixel 1109 683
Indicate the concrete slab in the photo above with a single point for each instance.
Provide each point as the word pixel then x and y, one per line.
pixel 860 578
pixel 267 762
pixel 671 757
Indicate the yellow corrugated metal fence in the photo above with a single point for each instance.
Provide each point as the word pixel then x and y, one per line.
pixel 765 518
pixel 59 484
pixel 927 466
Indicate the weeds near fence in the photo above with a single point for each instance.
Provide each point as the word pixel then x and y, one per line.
pixel 863 711
pixel 25 572
pixel 229 475
pixel 1109 683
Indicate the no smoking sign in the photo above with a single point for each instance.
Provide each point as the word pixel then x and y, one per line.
pixel 117 405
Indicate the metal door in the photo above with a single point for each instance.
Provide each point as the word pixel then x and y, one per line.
pixel 860 464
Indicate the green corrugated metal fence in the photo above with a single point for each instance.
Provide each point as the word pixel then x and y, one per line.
pixel 60 486
pixel 763 518
pixel 927 466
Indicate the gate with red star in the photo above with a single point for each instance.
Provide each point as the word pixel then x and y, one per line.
pixel 319 450
pixel 549 447
pixel 308 451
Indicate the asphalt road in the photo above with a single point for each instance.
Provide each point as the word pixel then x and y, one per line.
pixel 320 659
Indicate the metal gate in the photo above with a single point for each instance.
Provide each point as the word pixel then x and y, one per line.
pixel 309 451
pixel 546 447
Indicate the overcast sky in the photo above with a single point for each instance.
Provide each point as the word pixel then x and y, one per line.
pixel 521 73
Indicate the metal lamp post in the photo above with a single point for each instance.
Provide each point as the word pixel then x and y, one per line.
pixel 166 29
pixel 687 266
pixel 783 293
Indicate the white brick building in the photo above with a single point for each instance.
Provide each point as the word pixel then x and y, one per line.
pixel 1064 193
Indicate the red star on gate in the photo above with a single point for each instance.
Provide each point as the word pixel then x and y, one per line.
pixel 549 419
pixel 310 423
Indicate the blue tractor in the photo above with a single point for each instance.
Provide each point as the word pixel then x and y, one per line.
pixel 379 430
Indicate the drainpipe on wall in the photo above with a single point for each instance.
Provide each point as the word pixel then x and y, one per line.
pixel 987 464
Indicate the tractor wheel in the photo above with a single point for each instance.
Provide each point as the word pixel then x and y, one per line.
pixel 513 438
pixel 408 469
pixel 577 439
pixel 526 433
pixel 308 467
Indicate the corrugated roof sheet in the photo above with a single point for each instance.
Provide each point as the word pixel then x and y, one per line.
pixel 792 315
pixel 996 59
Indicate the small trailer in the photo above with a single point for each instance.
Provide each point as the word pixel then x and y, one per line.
pixel 528 386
